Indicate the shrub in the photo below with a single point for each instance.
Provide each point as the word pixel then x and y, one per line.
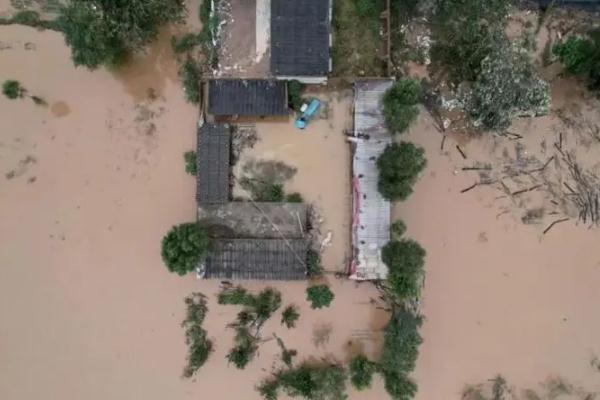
pixel 199 346
pixel 581 56
pixel 319 296
pixel 405 260
pixel 399 167
pixel 399 104
pixel 507 86
pixel 184 247
pixel 295 89
pixel 191 167
pixel 361 372
pixel 397 229
pixel 185 43
pixel 289 316
pixel 308 382
pixel 294 198
pixel 190 74
pixel 313 263
pixel 13 89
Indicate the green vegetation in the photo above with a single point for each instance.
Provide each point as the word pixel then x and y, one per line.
pixel 190 74
pixel 30 18
pixel 13 89
pixel 289 316
pixel 399 354
pixel 319 296
pixel 185 42
pixel 397 229
pixel 405 260
pixel 357 40
pixel 104 32
pixel 287 355
pixel 209 18
pixel 295 89
pixel 184 247
pixel 257 310
pixel 399 104
pixel 313 263
pixel 399 167
pixel 294 198
pixel 191 167
pixel 308 382
pixel 199 346
pixel 581 56
pixel 361 372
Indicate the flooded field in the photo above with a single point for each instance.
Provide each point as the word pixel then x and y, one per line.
pixel 90 184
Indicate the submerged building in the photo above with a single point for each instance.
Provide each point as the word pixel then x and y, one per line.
pixel 371 212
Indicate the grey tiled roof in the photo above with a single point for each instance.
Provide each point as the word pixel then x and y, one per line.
pixel 214 143
pixel 252 97
pixel 257 259
pixel 300 37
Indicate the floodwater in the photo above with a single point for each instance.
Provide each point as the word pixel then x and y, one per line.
pixel 91 183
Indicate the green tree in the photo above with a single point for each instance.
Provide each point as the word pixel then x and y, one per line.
pixel 190 74
pixel 314 268
pixel 183 247
pixel 581 56
pixel 199 346
pixel 289 316
pixel 399 167
pixel 405 260
pixel 361 372
pixel 319 296
pixel 191 167
pixel 245 348
pixel 104 32
pixel 13 89
pixel 399 104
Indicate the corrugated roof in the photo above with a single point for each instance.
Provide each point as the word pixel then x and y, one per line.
pixel 214 143
pixel 371 220
pixel 257 259
pixel 300 37
pixel 247 97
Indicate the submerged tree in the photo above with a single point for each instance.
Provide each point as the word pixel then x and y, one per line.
pixel 183 247
pixel 13 89
pixel 399 104
pixel 405 260
pixel 199 346
pixel 399 167
pixel 319 296
pixel 104 32
pixel 289 316
pixel 581 56
pixel 361 372
pixel 191 167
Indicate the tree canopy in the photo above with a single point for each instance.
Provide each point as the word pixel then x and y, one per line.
pixel 581 56
pixel 399 104
pixel 199 346
pixel 405 260
pixel 104 32
pixel 399 167
pixel 319 296
pixel 13 89
pixel 184 247
pixel 361 372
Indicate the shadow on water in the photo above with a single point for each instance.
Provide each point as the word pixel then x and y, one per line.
pixel 151 69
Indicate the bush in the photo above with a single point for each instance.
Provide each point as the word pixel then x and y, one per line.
pixel 308 382
pixel 295 89
pixel 581 56
pixel 313 263
pixel 185 43
pixel 199 346
pixel 319 296
pixel 13 89
pixel 361 372
pixel 190 74
pixel 405 260
pixel 399 167
pixel 507 86
pixel 184 247
pixel 397 229
pixel 289 316
pixel 191 166
pixel 294 198
pixel 399 104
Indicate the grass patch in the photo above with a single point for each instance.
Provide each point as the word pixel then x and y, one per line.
pixel 357 41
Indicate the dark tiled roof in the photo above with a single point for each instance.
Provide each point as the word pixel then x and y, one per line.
pixel 300 37
pixel 253 97
pixel 257 259
pixel 214 143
